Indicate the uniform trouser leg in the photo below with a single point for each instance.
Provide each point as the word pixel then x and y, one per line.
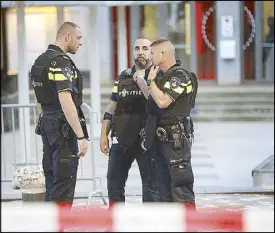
pixel 162 175
pixel 152 191
pixel 118 168
pixel 175 176
pixel 59 167
pixel 144 164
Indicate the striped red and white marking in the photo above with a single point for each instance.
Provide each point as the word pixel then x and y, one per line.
pixel 148 217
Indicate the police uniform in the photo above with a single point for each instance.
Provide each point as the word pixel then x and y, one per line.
pixel 173 175
pixel 53 72
pixel 127 122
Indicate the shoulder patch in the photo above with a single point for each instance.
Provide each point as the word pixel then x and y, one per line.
pixel 53 63
pixel 68 73
pixel 175 82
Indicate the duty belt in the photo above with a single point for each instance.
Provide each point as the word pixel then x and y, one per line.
pixel 184 130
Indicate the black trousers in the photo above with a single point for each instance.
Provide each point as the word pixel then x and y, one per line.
pixel 59 165
pixel 173 176
pixel 119 164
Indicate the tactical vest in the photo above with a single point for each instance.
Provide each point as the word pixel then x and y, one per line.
pixel 45 89
pixel 183 105
pixel 131 109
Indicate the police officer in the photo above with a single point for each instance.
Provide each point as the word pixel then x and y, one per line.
pixel 125 114
pixel 58 89
pixel 172 96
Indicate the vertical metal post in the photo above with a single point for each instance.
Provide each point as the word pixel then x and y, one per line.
pixel 23 81
pixel 193 54
pixel 135 29
pixel 94 65
pixel 122 39
pixel 258 40
pixel 163 17
pixel 60 16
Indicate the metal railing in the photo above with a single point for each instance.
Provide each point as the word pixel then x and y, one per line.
pixel 18 123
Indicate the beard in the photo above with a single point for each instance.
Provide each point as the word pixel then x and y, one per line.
pixel 141 62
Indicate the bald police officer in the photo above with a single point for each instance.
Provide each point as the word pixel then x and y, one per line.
pixel 58 88
pixel 172 96
pixel 127 113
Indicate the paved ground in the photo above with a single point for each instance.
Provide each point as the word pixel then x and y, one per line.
pixel 223 157
pixel 236 201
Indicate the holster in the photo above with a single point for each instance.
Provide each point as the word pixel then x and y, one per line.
pixel 67 129
pixel 38 127
pixel 83 124
pixel 149 132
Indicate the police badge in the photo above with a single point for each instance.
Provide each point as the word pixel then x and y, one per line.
pixel 175 82
pixel 68 73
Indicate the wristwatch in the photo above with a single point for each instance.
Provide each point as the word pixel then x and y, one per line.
pixel 149 81
pixel 80 138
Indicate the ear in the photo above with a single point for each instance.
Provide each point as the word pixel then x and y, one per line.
pixel 67 37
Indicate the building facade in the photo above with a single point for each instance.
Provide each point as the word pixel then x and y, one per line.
pixel 223 42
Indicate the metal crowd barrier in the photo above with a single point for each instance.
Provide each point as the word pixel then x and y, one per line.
pixel 20 120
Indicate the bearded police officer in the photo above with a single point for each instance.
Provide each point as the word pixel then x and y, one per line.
pixel 172 96
pixel 125 114
pixel 58 89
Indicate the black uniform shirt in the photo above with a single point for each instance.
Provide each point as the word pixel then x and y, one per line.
pixel 64 75
pixel 61 71
pixel 178 84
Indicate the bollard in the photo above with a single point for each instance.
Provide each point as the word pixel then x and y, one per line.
pixel 31 181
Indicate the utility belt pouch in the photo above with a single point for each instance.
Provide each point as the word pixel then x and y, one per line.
pixel 188 127
pixel 176 135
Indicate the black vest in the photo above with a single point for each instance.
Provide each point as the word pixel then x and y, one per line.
pixel 44 88
pixel 183 105
pixel 130 114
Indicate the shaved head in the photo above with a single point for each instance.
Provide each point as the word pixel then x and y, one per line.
pixel 164 45
pixel 68 37
pixel 163 51
pixel 65 28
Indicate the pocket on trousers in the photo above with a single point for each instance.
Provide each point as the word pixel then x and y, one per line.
pixel 181 173
pixel 67 168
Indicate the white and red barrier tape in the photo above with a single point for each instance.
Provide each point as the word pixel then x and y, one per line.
pixel 147 217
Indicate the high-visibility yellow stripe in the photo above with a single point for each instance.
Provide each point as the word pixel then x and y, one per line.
pixel 167 85
pixel 186 84
pixel 57 77
pixel 188 89
pixel 75 74
pixel 114 89
pixel 55 69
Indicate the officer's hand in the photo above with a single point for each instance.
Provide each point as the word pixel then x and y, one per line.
pixel 139 73
pixel 104 145
pixel 83 147
pixel 153 72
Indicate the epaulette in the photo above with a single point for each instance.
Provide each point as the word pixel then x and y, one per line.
pixel 66 57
